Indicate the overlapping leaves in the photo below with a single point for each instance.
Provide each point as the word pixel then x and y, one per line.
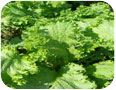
pixel 50 45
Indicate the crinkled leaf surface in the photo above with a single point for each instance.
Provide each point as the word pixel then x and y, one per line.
pixel 16 66
pixel 72 76
pixel 103 70
pixel 102 73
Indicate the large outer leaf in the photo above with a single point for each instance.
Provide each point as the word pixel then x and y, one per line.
pixel 106 32
pixel 41 80
pixel 103 28
pixel 103 70
pixel 71 77
pixel 102 73
pixel 62 32
pixel 15 66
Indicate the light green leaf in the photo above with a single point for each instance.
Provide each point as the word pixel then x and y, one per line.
pixel 72 77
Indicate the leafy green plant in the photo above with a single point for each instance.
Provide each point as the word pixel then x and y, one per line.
pixel 57 45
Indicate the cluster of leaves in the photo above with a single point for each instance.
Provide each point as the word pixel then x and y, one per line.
pixel 57 45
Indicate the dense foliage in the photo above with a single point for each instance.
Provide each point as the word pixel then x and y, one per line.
pixel 57 45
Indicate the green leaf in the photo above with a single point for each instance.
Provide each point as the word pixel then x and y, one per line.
pixel 103 70
pixel 15 66
pixel 102 73
pixel 62 32
pixel 106 32
pixel 41 80
pixel 15 40
pixel 72 76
